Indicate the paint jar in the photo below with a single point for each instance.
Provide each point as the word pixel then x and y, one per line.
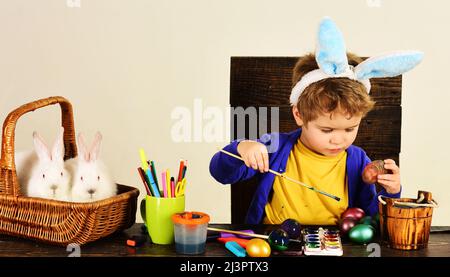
pixel 190 230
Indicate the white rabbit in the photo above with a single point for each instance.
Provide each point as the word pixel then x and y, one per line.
pixel 41 173
pixel 90 178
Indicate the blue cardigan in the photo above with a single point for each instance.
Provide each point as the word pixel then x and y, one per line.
pixel 228 170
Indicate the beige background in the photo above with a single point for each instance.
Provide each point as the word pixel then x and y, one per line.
pixel 125 65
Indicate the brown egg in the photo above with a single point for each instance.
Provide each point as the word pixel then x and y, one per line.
pixel 258 248
pixel 372 170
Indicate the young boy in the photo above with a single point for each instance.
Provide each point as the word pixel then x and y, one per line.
pixel 328 109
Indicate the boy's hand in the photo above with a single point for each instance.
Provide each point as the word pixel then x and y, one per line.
pixel 390 182
pixel 255 155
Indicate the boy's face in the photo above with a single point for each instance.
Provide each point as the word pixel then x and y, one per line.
pixel 327 135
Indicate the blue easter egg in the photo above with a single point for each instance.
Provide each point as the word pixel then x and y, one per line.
pixel 292 228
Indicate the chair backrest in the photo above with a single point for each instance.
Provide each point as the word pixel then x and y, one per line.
pixel 267 81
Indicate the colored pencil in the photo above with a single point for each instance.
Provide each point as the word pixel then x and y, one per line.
pixel 164 186
pixel 147 179
pixel 155 176
pixel 169 193
pixel 143 159
pixel 141 173
pixel 152 184
pixel 184 172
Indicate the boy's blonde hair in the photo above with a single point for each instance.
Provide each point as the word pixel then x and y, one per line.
pixel 331 94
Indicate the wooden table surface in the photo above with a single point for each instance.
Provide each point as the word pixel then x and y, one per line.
pixel 115 246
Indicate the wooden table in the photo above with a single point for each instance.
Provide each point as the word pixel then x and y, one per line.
pixel 115 246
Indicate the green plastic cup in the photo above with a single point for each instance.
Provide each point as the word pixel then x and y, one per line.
pixel 157 215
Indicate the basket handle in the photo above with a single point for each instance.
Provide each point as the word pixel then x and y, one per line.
pixel 8 177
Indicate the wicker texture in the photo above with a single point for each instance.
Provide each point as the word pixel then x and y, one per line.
pixel 52 221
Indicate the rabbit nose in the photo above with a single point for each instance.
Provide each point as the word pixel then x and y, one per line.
pixel 91 191
pixel 53 187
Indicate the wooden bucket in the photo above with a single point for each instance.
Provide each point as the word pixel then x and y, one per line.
pixel 405 222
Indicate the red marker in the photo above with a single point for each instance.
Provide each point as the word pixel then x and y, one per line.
pixel 172 186
pixel 180 171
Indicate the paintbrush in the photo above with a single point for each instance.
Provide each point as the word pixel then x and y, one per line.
pixel 246 234
pixel 287 178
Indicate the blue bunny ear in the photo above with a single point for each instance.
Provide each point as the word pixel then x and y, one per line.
pixel 388 65
pixel 331 55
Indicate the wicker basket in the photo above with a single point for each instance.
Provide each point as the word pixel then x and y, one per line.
pixel 51 221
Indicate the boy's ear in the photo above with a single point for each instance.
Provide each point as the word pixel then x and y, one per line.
pixel 297 116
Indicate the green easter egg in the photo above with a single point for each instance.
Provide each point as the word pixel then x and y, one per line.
pixel 361 233
pixel 376 222
pixel 377 218
pixel 366 220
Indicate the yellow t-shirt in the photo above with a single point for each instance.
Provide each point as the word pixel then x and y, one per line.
pixel 290 200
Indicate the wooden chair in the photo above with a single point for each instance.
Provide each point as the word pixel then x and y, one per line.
pixel 266 82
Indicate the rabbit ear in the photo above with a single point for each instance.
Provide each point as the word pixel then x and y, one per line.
pixel 58 147
pixel 95 148
pixel 84 152
pixel 388 65
pixel 41 148
pixel 331 55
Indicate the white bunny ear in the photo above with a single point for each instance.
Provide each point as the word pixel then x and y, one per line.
pixel 83 151
pixel 41 148
pixel 58 147
pixel 95 148
pixel 331 55
pixel 388 65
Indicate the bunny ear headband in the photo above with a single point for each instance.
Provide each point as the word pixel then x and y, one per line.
pixel 331 57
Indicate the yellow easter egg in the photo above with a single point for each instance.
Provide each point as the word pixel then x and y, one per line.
pixel 258 248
